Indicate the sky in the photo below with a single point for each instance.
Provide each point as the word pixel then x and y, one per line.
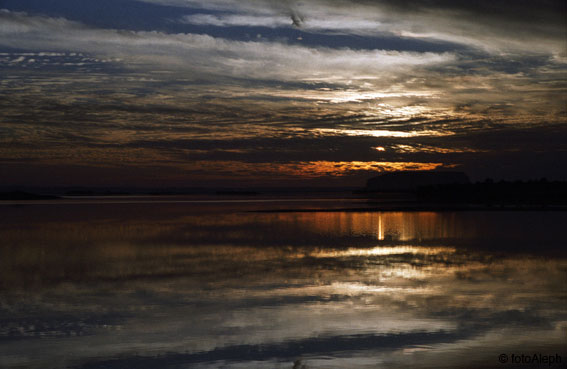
pixel 252 93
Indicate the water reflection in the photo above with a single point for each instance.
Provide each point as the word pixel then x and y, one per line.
pixel 92 287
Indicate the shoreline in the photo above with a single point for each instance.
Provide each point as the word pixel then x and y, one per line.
pixel 422 208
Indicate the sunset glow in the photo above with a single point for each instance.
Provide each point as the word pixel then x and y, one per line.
pixel 195 93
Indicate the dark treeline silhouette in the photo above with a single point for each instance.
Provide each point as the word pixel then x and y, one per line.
pixel 21 195
pixel 536 192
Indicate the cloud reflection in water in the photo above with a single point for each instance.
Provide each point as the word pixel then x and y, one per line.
pixel 172 287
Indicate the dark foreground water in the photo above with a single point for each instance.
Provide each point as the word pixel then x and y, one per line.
pixel 212 285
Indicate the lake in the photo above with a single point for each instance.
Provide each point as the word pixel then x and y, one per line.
pixel 169 282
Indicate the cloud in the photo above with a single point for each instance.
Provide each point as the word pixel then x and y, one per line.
pixel 492 26
pixel 238 20
pixel 79 95
pixel 199 54
pixel 395 77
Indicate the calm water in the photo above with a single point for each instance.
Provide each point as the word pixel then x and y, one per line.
pixel 215 285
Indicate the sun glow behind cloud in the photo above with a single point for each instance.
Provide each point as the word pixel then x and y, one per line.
pixel 381 132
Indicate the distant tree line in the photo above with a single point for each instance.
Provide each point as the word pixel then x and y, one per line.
pixel 541 192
